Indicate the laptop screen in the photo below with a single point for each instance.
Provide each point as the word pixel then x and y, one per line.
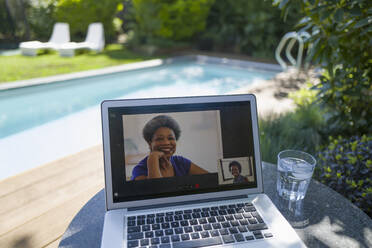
pixel 180 149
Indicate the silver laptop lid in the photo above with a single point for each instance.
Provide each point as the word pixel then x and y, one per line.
pixel 166 150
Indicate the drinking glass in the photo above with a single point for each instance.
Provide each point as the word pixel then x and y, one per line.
pixel 295 169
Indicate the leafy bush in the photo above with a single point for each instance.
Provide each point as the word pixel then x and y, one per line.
pixel 7 26
pixel 304 96
pixel 341 45
pixel 248 27
pixel 26 20
pixel 80 13
pixel 13 22
pixel 345 165
pixel 164 22
pixel 40 18
pixel 297 130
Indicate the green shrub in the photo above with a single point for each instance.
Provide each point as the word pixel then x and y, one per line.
pixel 341 45
pixel 7 26
pixel 157 22
pixel 248 27
pixel 26 20
pixel 13 20
pixel 40 18
pixel 80 13
pixel 297 130
pixel 304 96
pixel 345 165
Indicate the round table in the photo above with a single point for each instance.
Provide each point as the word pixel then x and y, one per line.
pixel 327 219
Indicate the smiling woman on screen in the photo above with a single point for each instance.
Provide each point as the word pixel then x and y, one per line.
pixel 235 169
pixel 161 134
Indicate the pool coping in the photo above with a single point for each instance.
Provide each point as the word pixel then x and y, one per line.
pixel 140 65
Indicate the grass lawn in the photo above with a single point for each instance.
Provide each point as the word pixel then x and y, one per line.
pixel 20 67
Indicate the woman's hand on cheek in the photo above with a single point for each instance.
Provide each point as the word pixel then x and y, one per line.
pixel 160 156
pixel 156 155
pixel 164 163
pixel 154 165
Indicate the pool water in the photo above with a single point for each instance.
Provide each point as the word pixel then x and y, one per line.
pixel 40 124
pixel 27 107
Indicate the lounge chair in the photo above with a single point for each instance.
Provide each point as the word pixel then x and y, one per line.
pixel 95 41
pixel 60 35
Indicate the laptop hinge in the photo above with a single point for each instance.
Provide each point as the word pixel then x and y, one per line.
pixel 187 202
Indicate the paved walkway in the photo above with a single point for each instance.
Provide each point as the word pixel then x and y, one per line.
pixel 272 97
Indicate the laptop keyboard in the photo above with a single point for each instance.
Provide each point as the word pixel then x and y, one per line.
pixel 198 227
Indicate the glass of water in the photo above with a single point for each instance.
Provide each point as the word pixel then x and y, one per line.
pixel 295 169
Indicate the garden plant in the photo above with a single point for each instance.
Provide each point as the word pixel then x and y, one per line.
pixel 346 166
pixel 340 44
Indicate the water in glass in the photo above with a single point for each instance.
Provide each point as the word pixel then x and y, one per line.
pixel 293 178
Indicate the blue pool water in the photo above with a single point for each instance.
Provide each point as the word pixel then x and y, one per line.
pixel 28 107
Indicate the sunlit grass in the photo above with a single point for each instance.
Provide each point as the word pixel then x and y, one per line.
pixel 20 67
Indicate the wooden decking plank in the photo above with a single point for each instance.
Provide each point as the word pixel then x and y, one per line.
pixel 11 184
pixel 49 184
pixel 54 244
pixel 48 227
pixel 27 212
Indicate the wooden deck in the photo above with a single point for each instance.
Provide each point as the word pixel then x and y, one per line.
pixel 37 206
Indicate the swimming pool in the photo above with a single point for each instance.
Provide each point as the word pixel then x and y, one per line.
pixel 65 114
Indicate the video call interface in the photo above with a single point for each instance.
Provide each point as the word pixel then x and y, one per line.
pixel 163 151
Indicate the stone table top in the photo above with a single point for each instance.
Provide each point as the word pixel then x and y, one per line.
pixel 328 219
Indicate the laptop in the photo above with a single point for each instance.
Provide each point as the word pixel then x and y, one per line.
pixel 186 172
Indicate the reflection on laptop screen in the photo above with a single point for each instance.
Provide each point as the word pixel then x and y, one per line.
pixel 173 150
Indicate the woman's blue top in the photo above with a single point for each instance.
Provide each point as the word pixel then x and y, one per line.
pixel 180 164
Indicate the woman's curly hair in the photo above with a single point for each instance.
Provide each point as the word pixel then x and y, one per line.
pixel 157 122
pixel 237 164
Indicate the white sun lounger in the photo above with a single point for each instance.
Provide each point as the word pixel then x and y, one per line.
pixel 60 35
pixel 95 41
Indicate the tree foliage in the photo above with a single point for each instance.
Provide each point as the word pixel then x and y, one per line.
pixel 341 40
pixel 40 17
pixel 172 20
pixel 80 13
pixel 34 19
pixel 6 25
pixel 13 21
pixel 252 27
